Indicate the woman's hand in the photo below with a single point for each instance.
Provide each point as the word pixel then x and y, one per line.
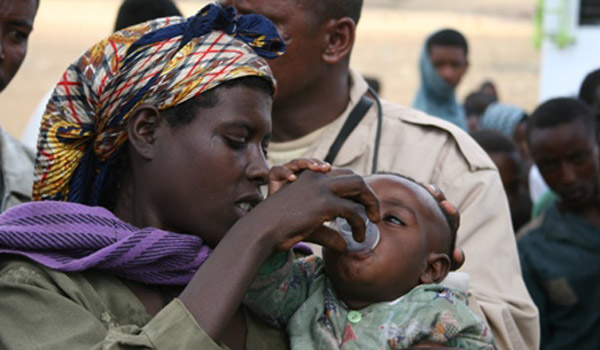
pixel 280 175
pixel 299 208
pixel 287 217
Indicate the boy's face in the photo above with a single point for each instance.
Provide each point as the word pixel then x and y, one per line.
pixel 567 156
pixel 410 231
pixel 450 62
pixel 473 122
pixel 16 23
pixel 508 167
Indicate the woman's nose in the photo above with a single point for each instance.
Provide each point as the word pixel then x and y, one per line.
pixel 258 168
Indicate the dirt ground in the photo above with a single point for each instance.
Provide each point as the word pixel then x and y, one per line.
pixel 390 38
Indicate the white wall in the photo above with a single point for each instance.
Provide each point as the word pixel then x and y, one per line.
pixel 563 69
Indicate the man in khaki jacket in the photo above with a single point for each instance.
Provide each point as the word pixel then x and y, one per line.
pixel 316 93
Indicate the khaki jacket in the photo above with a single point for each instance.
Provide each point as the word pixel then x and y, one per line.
pixel 433 151
pixel 17 171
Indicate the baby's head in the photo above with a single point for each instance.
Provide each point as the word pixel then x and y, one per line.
pixel 416 244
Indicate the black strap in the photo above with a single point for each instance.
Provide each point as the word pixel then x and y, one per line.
pixel 357 114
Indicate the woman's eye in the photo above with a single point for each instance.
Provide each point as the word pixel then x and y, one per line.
pixel 236 142
pixel 394 220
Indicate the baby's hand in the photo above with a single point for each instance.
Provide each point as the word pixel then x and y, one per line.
pixel 280 175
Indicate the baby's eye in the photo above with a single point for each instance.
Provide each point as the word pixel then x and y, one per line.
pixel 394 220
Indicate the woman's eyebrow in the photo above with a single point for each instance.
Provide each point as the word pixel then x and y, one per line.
pixel 239 124
pixel 249 127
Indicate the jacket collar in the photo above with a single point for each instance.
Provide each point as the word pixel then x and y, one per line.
pixel 354 146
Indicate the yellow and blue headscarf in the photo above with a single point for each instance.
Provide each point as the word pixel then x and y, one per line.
pixel 164 63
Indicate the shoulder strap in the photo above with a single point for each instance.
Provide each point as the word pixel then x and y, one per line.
pixel 356 115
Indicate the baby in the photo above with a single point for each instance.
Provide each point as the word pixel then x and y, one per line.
pixel 385 298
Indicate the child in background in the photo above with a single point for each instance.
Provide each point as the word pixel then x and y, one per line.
pixel 508 120
pixel 504 154
pixel 444 62
pixel 475 105
pixel 388 297
pixel 488 87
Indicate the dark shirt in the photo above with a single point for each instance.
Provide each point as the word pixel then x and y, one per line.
pixel 560 258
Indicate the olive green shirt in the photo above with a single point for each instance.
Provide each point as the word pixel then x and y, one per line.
pixel 16 171
pixel 46 309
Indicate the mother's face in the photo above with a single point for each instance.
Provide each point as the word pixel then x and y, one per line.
pixel 207 174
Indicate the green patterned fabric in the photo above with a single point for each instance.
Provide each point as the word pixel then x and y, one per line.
pixel 299 297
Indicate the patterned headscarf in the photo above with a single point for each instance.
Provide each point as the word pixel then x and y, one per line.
pixel 163 63
pixel 503 118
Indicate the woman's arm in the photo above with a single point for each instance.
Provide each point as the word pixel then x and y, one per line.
pixel 278 223
pixel 47 310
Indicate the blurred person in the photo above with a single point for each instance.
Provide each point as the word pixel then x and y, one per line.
pixel 560 250
pixel 16 24
pixel 318 94
pixel 130 12
pixel 504 154
pixel 133 12
pixel 444 62
pixel 510 121
pixel 475 105
pixel 488 87
pixel 540 193
pixel 589 92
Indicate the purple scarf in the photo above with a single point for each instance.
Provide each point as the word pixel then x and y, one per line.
pixel 72 237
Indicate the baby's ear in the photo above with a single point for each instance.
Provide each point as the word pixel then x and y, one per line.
pixel 438 266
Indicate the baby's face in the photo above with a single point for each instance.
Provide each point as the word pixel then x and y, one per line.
pixel 396 265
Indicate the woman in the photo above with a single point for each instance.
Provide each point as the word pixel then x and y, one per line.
pixel 163 127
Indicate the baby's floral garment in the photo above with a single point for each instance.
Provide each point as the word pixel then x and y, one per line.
pixel 300 298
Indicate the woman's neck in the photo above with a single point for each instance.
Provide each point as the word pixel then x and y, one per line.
pixel 131 207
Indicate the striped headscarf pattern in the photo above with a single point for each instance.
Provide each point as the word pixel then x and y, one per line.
pixel 163 63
